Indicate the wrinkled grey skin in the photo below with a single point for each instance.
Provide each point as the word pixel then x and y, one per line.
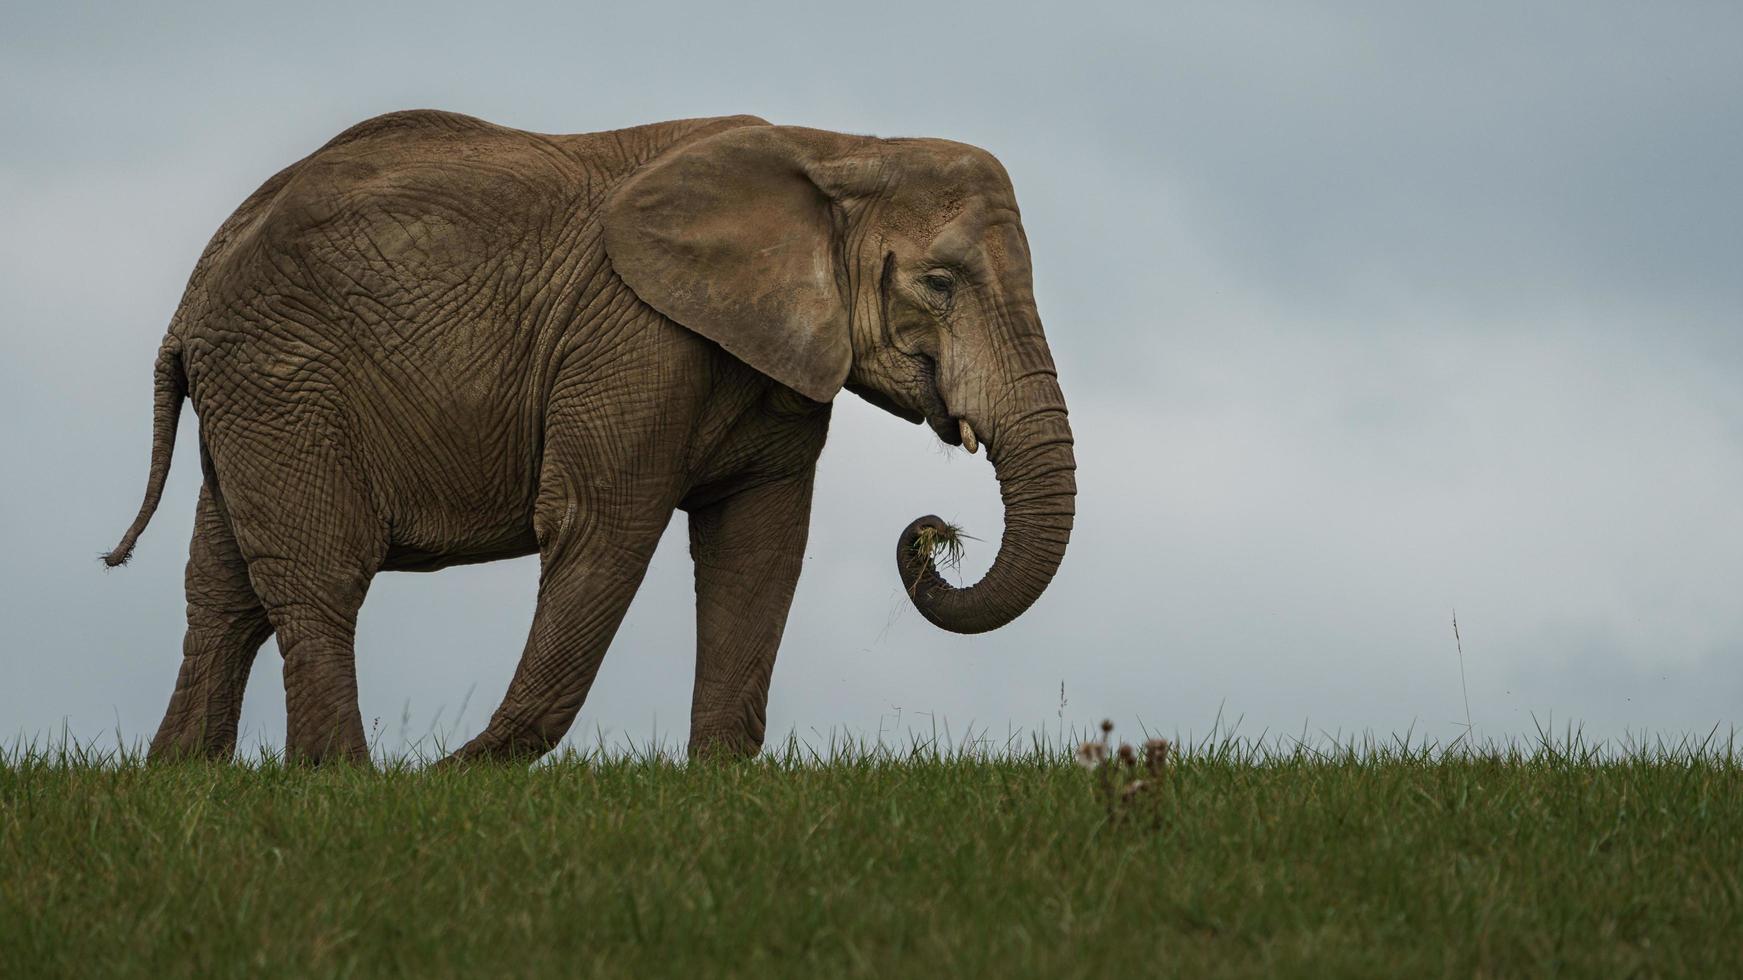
pixel 437 341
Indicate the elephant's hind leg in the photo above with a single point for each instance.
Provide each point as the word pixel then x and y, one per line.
pixel 226 626
pixel 304 523
pixel 603 502
pixel 590 573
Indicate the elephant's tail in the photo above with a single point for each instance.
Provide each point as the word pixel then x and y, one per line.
pixel 171 387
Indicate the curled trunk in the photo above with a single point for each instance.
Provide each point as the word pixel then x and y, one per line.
pixel 1036 469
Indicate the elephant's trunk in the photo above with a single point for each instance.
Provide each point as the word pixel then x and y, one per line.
pixel 1031 452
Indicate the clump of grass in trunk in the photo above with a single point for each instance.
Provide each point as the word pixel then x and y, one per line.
pixel 943 543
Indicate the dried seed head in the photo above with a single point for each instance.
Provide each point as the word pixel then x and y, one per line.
pixel 1091 754
pixel 1128 756
pixel 1156 755
pixel 1107 726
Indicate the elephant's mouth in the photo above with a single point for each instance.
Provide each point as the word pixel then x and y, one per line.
pixel 952 430
pixel 946 427
pixel 949 428
pixel 955 431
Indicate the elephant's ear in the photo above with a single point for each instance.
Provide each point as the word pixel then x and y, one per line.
pixel 733 237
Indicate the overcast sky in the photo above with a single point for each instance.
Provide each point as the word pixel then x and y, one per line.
pixel 1363 314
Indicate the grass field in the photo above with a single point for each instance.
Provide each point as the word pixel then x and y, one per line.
pixel 1245 862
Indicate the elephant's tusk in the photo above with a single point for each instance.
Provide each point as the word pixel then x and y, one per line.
pixel 968 440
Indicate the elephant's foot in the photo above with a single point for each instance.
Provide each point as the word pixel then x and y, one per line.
pixel 345 747
pixel 508 743
pixel 327 739
pixel 738 736
pixel 190 744
pixel 723 747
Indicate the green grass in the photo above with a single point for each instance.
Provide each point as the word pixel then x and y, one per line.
pixel 1248 862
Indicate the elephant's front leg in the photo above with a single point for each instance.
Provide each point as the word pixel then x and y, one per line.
pixel 748 550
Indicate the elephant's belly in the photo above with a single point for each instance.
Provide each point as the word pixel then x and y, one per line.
pixel 431 525
pixel 454 472
pixel 415 558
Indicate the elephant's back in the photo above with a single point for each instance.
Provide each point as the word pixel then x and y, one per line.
pixel 439 191
pixel 368 149
pixel 403 220
pixel 429 233
pixel 494 178
pixel 411 122
pixel 400 185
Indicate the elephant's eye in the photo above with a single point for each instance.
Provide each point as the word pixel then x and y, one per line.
pixel 937 283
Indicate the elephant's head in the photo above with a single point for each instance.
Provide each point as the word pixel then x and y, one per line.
pixel 895 268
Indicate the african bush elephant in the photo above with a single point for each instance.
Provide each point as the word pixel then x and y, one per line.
pixel 437 341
